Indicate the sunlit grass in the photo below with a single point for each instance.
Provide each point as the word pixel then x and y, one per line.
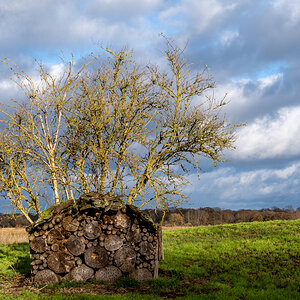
pixel 238 261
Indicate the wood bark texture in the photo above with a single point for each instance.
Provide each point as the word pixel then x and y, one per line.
pixel 94 238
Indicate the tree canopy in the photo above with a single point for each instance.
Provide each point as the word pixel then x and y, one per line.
pixel 112 126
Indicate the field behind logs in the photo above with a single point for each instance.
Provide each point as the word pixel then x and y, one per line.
pixel 259 260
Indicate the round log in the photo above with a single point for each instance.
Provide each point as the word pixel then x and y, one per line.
pixel 81 273
pixel 45 277
pixel 38 245
pixel 55 247
pixel 45 227
pixel 91 230
pixel 113 242
pixel 134 236
pixel 53 236
pixel 125 259
pixel 121 220
pixel 61 262
pixel 141 274
pixel 75 245
pixel 146 248
pixel 36 262
pixel 70 224
pixel 109 274
pixel 96 257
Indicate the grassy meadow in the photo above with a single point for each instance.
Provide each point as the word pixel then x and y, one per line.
pixel 237 261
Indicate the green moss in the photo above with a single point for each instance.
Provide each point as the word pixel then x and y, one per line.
pixel 47 213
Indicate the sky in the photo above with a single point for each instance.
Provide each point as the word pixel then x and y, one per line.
pixel 252 50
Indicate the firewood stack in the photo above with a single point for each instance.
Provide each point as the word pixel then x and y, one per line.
pixel 94 237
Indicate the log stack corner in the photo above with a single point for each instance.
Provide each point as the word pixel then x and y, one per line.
pixel 95 237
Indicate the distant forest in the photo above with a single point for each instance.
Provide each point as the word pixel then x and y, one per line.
pixel 191 217
pixel 214 216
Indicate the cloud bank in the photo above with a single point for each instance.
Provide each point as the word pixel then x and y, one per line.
pixel 252 51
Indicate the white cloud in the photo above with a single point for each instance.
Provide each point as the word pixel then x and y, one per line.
pixel 270 136
pixel 286 173
pixel 57 70
pixel 228 36
pixel 290 8
pixel 269 80
pixel 6 85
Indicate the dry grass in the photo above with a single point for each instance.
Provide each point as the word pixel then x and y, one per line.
pixel 13 235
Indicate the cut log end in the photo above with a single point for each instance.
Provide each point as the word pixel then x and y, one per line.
pixel 81 273
pixel 45 277
pixel 113 242
pixel 141 274
pixel 96 257
pixel 109 274
pixel 76 245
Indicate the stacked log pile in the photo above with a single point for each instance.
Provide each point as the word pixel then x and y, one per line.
pixel 94 237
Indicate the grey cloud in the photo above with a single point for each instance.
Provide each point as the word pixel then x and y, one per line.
pixel 262 35
pixel 122 10
pixel 52 26
pixel 244 43
pixel 260 188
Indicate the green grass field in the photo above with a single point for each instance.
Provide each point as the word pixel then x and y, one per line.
pixel 239 261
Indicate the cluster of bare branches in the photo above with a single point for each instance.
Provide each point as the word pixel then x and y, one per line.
pixel 115 128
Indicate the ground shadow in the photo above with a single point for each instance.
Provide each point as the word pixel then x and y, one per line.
pixel 22 265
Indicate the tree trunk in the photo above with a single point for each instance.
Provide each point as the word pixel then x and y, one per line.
pixel 55 187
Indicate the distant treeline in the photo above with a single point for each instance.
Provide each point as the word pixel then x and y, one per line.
pixel 214 216
pixel 15 220
pixel 190 217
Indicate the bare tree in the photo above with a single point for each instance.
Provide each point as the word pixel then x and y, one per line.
pixel 122 129
pixel 32 155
